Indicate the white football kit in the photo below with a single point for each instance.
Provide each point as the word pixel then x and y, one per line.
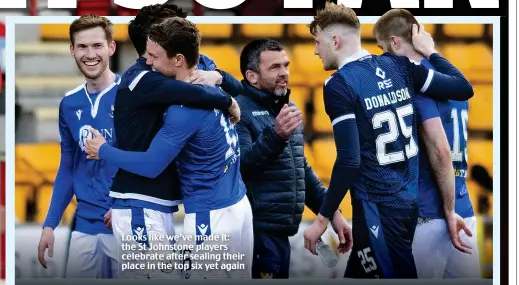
pixel 224 236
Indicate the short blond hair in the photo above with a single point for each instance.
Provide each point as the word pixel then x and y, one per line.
pixel 395 22
pixel 334 14
pixel 90 21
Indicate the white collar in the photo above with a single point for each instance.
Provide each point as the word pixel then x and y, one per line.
pixel 356 56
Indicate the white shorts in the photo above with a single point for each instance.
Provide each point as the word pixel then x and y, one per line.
pixel 92 256
pixel 436 257
pixel 136 230
pixel 226 250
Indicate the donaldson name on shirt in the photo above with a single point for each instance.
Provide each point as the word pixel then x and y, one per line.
pixel 389 98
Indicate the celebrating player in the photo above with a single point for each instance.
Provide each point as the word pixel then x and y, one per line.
pixel 89 105
pixel 206 71
pixel 205 145
pixel 370 103
pixel 434 254
pixel 273 164
pixel 142 205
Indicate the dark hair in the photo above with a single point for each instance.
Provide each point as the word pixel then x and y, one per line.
pixel 90 21
pixel 395 22
pixel 178 36
pixel 334 14
pixel 251 53
pixel 139 28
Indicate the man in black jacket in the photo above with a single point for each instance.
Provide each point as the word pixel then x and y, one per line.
pixel 273 165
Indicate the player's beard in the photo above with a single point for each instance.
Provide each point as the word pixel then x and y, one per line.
pixel 273 88
pixel 330 62
pixel 329 65
pixel 102 65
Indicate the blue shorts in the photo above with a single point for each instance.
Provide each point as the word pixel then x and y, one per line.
pixel 382 242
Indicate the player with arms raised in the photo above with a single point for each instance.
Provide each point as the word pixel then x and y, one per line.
pixel 442 190
pixel 88 106
pixel 370 103
pixel 204 145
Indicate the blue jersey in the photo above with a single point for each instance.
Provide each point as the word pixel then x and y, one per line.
pixel 208 163
pixel 142 98
pixel 370 103
pixel 88 180
pixel 377 92
pixel 203 144
pixel 454 118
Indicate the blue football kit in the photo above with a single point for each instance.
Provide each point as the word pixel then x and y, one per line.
pixel 93 252
pixel 204 146
pixel 434 253
pixel 370 101
pixel 145 206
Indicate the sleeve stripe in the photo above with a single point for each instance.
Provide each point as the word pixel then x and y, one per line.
pixel 342 118
pixel 136 80
pixel 427 81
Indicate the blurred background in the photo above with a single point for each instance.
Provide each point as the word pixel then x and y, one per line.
pixel 45 71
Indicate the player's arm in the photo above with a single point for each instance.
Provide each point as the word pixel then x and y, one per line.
pixel 153 88
pixel 314 189
pixel 258 154
pixel 63 184
pixel 340 108
pixel 228 83
pixel 180 125
pixel 438 150
pixel 446 83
